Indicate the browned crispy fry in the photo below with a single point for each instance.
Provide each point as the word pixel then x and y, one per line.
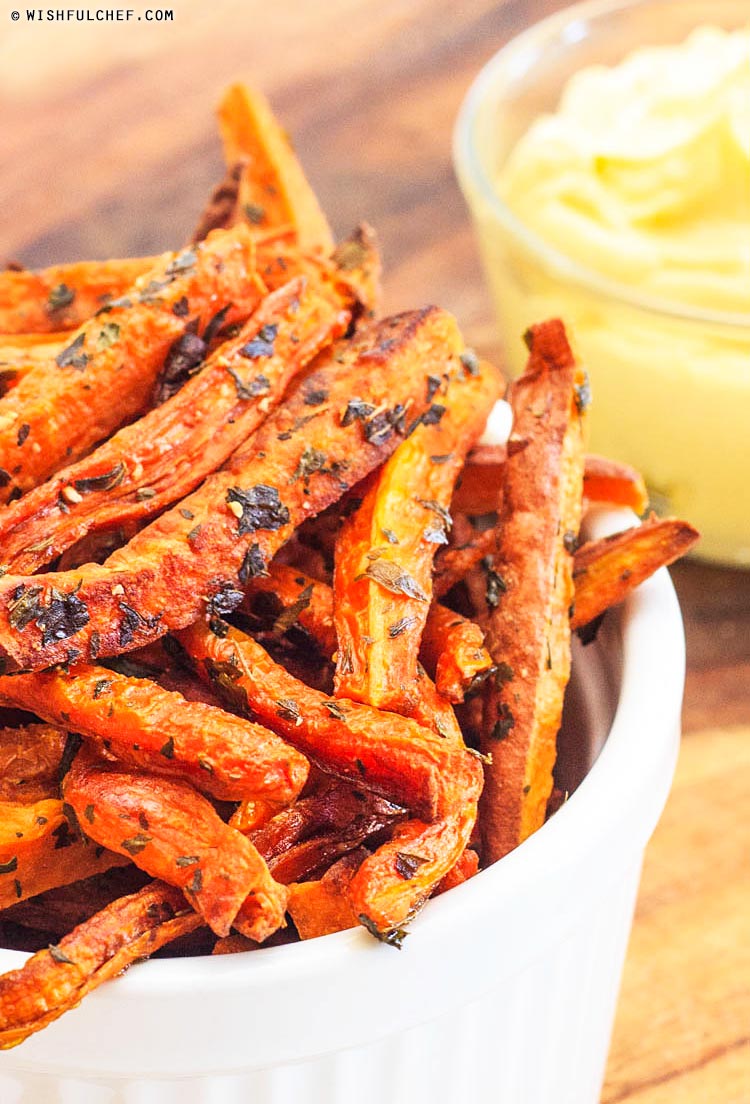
pixel 385 550
pixel 55 980
pixel 384 753
pixel 64 296
pixel 30 758
pixel 273 189
pixel 106 374
pixel 359 258
pixel 322 907
pixel 296 599
pixel 354 410
pixel 39 850
pixel 135 722
pixel 528 631
pixel 393 884
pixel 605 571
pixel 318 829
pixel 609 481
pixel 173 833
pixel 167 453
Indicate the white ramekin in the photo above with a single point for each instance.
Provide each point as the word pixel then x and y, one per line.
pixel 504 991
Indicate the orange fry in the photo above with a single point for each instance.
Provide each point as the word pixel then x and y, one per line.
pixel 609 481
pixel 393 884
pixel 164 455
pixel 64 296
pixel 273 189
pixel 134 721
pixel 385 550
pixel 354 409
pixel 322 907
pixel 107 373
pixel 607 570
pixel 390 755
pixel 30 759
pixel 55 980
pixel 40 850
pixel 173 833
pixel 528 628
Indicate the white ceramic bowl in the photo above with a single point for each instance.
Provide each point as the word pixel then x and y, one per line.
pixel 504 991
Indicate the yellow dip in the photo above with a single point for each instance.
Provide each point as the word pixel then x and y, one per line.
pixel 642 177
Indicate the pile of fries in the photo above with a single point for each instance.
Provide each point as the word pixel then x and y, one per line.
pixel 280 653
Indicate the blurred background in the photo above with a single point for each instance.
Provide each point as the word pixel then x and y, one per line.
pixel 109 148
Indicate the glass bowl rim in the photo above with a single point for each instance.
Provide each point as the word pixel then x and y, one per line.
pixel 470 167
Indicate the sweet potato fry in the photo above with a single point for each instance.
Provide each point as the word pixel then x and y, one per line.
pixel 135 722
pixel 57 911
pixel 55 980
pixel 106 375
pixel 605 571
pixel 385 550
pixel 354 409
pixel 528 631
pixel 609 481
pixel 40 850
pixel 22 342
pixel 390 755
pixel 30 758
pixel 273 188
pixel 318 829
pixel 465 867
pixel 453 647
pixel 393 884
pixel 322 907
pixel 64 296
pixel 171 450
pixel 173 833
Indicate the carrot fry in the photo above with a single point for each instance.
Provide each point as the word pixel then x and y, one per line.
pixel 106 375
pixel 30 759
pixel 320 828
pixel 355 409
pixel 273 188
pixel 64 296
pixel 453 647
pixel 322 907
pixel 55 980
pixel 385 550
pixel 465 867
pixel 171 450
pixel 390 755
pixel 393 884
pixel 609 481
pixel 528 631
pixel 605 571
pixel 173 833
pixel 135 722
pixel 39 850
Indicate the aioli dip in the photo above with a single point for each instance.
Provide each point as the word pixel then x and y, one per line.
pixel 642 178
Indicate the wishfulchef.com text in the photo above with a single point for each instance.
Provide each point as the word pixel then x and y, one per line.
pixel 95 15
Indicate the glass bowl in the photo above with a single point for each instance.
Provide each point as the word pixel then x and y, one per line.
pixel 670 382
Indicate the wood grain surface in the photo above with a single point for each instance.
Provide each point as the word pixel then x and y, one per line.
pixel 109 148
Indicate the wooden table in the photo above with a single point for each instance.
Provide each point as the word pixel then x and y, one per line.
pixel 109 148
